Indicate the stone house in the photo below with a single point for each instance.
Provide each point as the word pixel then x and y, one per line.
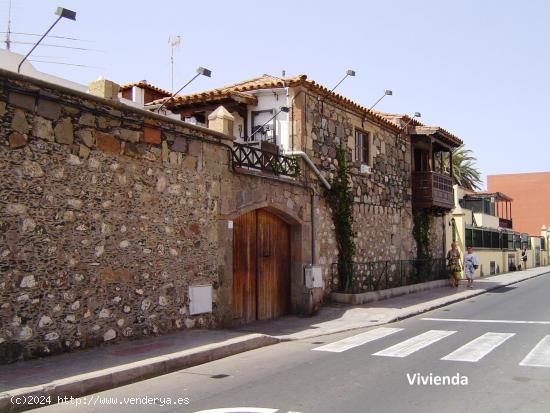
pixel 396 162
pixel 118 223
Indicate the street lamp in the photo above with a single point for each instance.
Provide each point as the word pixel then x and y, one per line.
pixel 349 72
pixel 200 71
pixel 61 12
pixel 387 92
pixel 260 128
pixel 416 115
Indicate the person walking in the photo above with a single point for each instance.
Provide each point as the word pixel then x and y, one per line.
pixel 453 265
pixel 523 259
pixel 471 264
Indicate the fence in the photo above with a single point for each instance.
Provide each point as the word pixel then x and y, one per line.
pixel 360 277
pixel 246 156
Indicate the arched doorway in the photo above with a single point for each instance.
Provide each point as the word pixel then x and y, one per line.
pixel 261 267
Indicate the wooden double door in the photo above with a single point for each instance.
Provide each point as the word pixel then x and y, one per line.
pixel 261 267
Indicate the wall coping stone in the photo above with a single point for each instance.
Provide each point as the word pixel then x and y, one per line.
pixel 6 74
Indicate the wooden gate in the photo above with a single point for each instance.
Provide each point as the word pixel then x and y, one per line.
pixel 261 267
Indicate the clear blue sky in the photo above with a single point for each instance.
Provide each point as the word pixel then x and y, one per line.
pixel 480 69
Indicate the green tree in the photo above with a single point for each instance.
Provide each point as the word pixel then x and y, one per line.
pixel 465 172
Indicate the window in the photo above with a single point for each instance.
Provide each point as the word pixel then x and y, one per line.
pixel 362 146
pixel 263 126
pixel 469 237
pixel 477 238
pixel 486 238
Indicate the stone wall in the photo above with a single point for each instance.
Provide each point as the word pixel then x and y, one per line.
pixel 108 214
pixel 436 234
pixel 382 207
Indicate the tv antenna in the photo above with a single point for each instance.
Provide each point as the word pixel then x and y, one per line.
pixel 174 42
pixel 8 42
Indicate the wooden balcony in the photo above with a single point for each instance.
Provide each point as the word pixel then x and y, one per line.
pixel 264 159
pixel 432 190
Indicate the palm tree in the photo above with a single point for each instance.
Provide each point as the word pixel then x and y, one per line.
pixel 465 173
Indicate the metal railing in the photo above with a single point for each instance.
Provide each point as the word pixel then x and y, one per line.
pixel 360 277
pixel 246 156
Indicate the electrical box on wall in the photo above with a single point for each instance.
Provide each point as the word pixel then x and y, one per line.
pixel 313 275
pixel 365 169
pixel 200 299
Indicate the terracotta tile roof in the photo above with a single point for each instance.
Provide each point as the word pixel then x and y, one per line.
pixel 144 84
pixel 236 91
pixel 402 119
pixel 271 82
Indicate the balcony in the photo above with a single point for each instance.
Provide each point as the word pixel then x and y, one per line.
pixel 265 160
pixel 432 190
pixel 505 223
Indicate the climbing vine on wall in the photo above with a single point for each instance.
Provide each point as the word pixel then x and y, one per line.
pixel 421 228
pixel 340 199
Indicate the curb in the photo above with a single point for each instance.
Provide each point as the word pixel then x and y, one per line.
pixel 422 310
pixel 456 300
pixel 84 384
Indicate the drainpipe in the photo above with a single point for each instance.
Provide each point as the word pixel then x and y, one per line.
pixel 310 163
pixel 313 228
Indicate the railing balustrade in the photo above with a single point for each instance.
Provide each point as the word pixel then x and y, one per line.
pixel 360 277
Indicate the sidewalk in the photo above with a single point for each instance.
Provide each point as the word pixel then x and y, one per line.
pixel 89 371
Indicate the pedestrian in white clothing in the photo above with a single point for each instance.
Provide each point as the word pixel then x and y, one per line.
pixel 470 265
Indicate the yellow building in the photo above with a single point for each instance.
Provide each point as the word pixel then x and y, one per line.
pixel 483 220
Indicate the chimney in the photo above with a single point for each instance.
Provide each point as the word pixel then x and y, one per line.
pixel 104 88
pixel 221 121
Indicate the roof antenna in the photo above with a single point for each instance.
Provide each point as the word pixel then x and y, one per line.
pixel 174 41
pixel 8 43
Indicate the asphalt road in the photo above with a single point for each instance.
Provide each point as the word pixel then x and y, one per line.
pixel 494 365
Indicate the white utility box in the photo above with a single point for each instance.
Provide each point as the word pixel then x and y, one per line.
pixel 365 169
pixel 200 299
pixel 313 276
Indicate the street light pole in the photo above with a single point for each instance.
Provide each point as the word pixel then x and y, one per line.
pixel 387 92
pixel 61 12
pixel 200 71
pixel 282 109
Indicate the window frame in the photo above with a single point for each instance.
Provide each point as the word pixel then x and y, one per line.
pixel 362 152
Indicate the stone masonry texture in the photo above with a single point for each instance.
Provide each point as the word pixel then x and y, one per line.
pixel 382 197
pixel 103 228
pixel 109 214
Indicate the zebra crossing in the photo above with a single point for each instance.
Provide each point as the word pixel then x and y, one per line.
pixel 472 352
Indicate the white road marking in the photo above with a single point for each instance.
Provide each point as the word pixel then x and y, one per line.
pixel 416 343
pixel 539 356
pixel 465 320
pixel 240 410
pixel 358 340
pixel 476 349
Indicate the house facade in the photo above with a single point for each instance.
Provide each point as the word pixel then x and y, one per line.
pixel 484 221
pixel 120 223
pixel 392 161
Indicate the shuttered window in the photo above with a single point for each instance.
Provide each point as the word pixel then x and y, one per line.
pixel 362 146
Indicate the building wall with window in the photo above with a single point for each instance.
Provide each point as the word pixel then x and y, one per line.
pixel 497 249
pixel 380 173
